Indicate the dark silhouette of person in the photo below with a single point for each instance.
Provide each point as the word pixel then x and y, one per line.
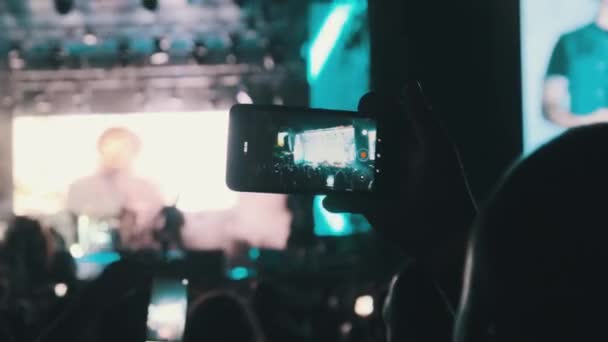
pixel 414 311
pixel 421 204
pixel 536 261
pixel 221 317
pixel 170 233
pixel 28 256
pixel 34 266
pixel 340 182
pixel 111 308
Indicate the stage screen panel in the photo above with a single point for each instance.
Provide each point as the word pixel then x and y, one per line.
pixel 564 66
pixel 98 166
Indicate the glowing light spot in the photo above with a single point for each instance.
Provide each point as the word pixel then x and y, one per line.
pixel 364 306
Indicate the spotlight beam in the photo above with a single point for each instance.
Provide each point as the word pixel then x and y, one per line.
pixel 326 39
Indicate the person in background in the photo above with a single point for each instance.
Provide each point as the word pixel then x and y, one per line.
pixel 35 263
pixel 222 317
pixel 28 254
pixel 576 84
pixel 114 188
pixel 170 223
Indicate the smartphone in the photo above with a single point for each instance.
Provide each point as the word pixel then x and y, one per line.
pixel 167 310
pixel 279 149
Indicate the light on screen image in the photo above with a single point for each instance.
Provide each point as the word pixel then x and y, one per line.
pixel 334 157
pixel 334 146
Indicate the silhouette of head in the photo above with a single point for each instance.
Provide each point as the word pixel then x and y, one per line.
pixel 171 221
pixel 118 147
pixel 221 317
pixel 27 254
pixel 414 309
pixel 536 263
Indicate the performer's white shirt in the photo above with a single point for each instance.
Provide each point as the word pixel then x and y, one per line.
pixel 259 219
pixel 104 195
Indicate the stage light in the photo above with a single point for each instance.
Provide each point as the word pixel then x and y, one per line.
pixel 268 62
pixel 326 39
pixel 364 306
pixel 364 132
pixel 60 289
pixel 162 43
pixel 15 57
pixel 160 55
pixel 100 258
pixel 238 273
pixel 64 6
pixel 151 5
pixel 254 253
pixel 159 58
pixel 89 38
pixel 243 98
pixel 76 251
pixel 185 282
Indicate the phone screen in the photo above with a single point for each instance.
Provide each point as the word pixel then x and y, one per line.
pixel 287 150
pixel 167 310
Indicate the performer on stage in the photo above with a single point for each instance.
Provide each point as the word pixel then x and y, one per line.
pixel 576 84
pixel 114 188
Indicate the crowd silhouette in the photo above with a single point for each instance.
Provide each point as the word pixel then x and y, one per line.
pixel 532 269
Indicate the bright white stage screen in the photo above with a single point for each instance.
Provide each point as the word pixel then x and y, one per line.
pixel 182 156
pixel 334 146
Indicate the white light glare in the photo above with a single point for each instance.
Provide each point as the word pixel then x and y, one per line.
pixel 61 289
pixel 15 61
pixel 364 305
pixel 76 251
pixel 89 39
pixel 159 58
pixel 243 97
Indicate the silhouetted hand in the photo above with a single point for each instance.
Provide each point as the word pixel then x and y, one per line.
pixel 422 192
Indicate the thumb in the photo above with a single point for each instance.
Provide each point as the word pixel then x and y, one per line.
pixel 348 203
pixel 420 112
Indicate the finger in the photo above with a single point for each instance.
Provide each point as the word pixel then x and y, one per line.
pixel 368 103
pixel 420 113
pixel 416 98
